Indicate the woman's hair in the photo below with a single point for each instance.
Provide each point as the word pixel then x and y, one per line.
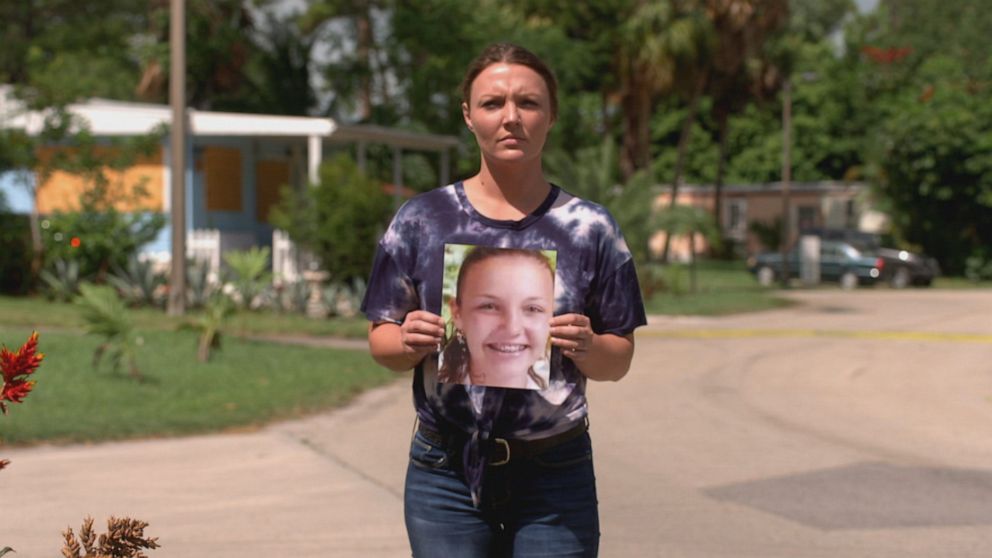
pixel 455 357
pixel 508 53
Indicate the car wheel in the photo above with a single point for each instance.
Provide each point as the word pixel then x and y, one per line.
pixel 900 278
pixel 766 276
pixel 848 280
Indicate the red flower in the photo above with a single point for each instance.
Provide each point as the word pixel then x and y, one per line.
pixel 16 368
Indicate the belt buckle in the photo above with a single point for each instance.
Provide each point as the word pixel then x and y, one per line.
pixel 506 446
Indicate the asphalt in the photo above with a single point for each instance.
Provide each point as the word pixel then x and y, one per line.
pixel 331 484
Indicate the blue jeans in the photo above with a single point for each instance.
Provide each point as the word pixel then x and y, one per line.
pixel 544 506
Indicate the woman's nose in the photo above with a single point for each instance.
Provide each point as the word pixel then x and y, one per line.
pixel 512 321
pixel 512 115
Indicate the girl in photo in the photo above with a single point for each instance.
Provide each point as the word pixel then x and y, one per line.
pixel 502 317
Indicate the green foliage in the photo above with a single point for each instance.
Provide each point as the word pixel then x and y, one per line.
pixel 936 169
pixel 249 268
pixel 594 175
pixel 248 384
pixel 107 317
pixel 216 312
pixel 769 233
pixel 338 220
pixel 690 221
pixel 198 285
pixel 99 239
pixel 62 280
pixel 15 254
pixel 139 283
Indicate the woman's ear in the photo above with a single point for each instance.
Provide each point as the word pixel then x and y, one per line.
pixel 456 316
pixel 466 116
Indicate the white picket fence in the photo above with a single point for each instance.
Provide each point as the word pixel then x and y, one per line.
pixel 288 261
pixel 209 245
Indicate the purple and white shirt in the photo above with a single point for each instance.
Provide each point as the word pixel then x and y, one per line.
pixel 595 276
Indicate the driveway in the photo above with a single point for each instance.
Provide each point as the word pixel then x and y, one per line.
pixel 851 425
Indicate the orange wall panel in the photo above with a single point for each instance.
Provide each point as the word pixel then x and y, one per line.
pixel 222 177
pixel 62 190
pixel 270 176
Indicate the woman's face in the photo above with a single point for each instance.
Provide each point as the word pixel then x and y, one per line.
pixel 509 111
pixel 505 308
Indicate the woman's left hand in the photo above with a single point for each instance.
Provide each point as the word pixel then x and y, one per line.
pixel 573 334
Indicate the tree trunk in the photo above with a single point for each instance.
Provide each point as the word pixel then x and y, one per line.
pixel 723 123
pixel 363 50
pixel 684 136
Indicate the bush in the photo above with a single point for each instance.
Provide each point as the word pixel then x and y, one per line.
pixel 338 220
pixel 99 240
pixel 15 255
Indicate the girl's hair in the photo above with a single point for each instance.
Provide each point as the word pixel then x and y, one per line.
pixel 508 53
pixel 455 356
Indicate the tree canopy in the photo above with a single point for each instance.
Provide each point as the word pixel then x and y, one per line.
pixel 684 90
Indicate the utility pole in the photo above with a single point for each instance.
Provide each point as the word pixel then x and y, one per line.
pixel 786 176
pixel 177 100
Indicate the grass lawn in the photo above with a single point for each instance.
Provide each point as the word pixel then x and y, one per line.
pixel 38 311
pixel 246 384
pixel 721 288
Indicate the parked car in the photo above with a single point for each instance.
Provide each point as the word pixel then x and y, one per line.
pixel 839 261
pixel 902 268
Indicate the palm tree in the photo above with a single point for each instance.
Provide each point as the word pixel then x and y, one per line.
pixel 690 221
pixel 662 49
pixel 740 72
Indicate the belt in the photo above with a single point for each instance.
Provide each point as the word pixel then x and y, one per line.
pixel 505 449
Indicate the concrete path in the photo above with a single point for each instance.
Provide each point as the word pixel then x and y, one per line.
pixel 852 425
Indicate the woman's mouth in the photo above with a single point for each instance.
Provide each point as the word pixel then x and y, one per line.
pixel 510 349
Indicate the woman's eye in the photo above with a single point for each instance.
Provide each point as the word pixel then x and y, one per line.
pixel 535 309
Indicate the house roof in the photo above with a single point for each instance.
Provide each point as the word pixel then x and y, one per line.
pixel 118 118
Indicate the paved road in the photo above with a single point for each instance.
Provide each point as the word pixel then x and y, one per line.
pixel 852 425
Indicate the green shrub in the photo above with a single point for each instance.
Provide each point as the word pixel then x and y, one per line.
pixel 338 220
pixel 15 254
pixel 249 270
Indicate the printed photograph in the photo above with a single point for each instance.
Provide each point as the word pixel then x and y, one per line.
pixel 497 306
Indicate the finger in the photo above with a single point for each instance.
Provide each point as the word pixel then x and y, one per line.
pixel 420 340
pixel 566 319
pixel 569 332
pixel 568 344
pixel 425 316
pixel 425 328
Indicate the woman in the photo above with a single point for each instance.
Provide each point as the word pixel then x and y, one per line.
pixel 501 313
pixel 493 471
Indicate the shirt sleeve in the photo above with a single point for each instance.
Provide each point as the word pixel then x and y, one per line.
pixel 391 294
pixel 615 304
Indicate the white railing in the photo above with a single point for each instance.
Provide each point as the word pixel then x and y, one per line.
pixel 288 261
pixel 209 245
pixel 285 268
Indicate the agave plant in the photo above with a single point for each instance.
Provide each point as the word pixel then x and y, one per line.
pixel 63 280
pixel 296 296
pixel 106 316
pixel 198 285
pixel 249 268
pixel 139 283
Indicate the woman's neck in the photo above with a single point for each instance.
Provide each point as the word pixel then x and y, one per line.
pixel 507 191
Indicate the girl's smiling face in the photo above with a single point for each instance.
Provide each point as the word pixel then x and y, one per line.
pixel 503 309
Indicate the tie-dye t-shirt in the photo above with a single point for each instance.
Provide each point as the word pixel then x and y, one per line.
pixel 595 276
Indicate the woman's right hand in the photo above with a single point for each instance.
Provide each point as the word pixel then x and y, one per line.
pixel 422 332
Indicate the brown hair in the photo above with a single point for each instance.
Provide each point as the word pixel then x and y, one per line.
pixel 482 253
pixel 508 53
